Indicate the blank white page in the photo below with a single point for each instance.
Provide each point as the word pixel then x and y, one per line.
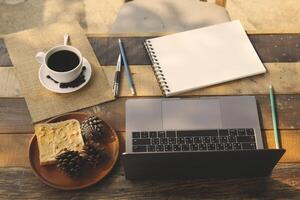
pixel 206 56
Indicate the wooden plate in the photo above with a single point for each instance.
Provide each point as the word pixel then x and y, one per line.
pixel 51 176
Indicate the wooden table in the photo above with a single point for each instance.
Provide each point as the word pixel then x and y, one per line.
pixel 281 55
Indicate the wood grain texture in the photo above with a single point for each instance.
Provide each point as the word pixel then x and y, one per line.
pixel 107 50
pixel 157 34
pixel 289 140
pixel 270 48
pixel 20 183
pixel 283 76
pixel 9 85
pixel 288 108
pixel 277 48
pixel 14 148
pixel 15 118
pixel 4 56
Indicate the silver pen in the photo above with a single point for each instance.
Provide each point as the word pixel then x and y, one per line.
pixel 127 70
pixel 117 77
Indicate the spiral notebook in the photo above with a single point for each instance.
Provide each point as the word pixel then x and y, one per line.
pixel 203 57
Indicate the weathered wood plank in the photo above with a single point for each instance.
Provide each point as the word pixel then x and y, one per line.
pixel 270 48
pixel 283 76
pixel 277 48
pixel 15 118
pixel 107 50
pixel 288 109
pixel 290 141
pixel 157 34
pixel 14 147
pixel 4 56
pixel 20 183
pixel 9 85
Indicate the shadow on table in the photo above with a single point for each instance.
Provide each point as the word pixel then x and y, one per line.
pixel 280 185
pixel 22 182
pixel 265 188
pixel 32 13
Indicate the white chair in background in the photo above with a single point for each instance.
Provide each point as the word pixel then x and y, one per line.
pixel 168 15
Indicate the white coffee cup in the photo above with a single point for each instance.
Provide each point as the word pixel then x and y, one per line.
pixel 65 76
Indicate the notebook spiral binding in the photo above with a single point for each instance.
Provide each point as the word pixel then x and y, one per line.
pixel 157 68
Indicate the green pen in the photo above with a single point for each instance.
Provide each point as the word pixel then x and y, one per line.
pixel 274 118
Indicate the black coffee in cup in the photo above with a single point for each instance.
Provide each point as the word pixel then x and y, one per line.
pixel 62 61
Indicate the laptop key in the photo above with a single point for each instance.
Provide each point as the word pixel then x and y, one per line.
pixel 214 139
pixel 241 132
pixel 168 147
pixel 237 146
pixel 171 134
pixel 223 139
pixel 161 134
pixel 172 140
pixel 185 147
pixel 220 147
pixel 163 140
pixel 228 146
pixel 248 146
pixel 144 135
pixel 135 134
pixel 211 147
pixel 206 139
pixel 177 147
pixel 202 147
pixel 189 140
pixel 153 134
pixel 232 132
pixel 250 131
pixel 159 147
pixel 180 141
pixel 155 141
pixel 141 141
pixel 223 132
pixel 139 148
pixel 232 139
pixel 194 147
pixel 197 133
pixel 245 139
pixel 197 140
pixel 151 148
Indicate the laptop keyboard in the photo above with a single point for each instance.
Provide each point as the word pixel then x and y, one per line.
pixel 193 140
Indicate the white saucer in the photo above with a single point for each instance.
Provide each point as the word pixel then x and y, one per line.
pixel 54 87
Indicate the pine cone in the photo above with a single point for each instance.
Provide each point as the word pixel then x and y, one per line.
pixel 93 155
pixel 70 163
pixel 92 129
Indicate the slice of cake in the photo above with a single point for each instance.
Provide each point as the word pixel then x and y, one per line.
pixel 54 138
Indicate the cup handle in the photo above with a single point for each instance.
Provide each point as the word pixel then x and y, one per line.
pixel 40 57
pixel 66 38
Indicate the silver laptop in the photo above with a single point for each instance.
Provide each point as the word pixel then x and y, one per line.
pixel 161 125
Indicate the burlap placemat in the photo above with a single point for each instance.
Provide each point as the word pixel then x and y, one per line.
pixel 43 104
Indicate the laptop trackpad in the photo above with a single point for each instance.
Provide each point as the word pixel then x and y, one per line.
pixel 191 114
